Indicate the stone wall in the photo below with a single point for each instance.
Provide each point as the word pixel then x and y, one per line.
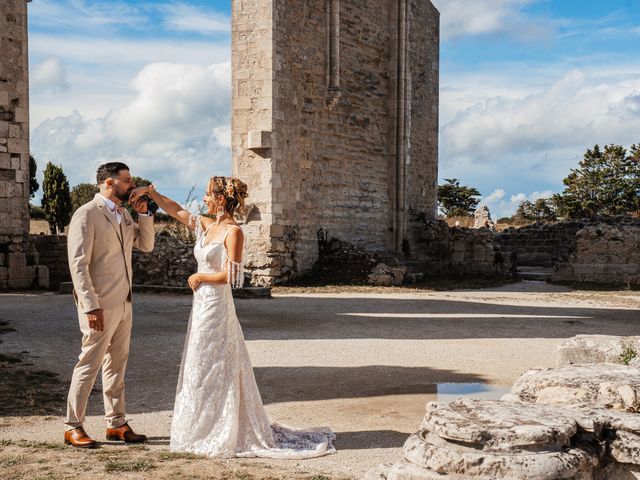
pixel 541 244
pixel 443 251
pixel 52 253
pixel 17 269
pixel 335 112
pixel 603 254
pixel 169 264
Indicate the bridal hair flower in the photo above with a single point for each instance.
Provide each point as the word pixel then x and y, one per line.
pixel 231 189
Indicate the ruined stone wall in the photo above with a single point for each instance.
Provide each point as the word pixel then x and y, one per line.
pixel 541 244
pixel 334 124
pixel 52 254
pixel 443 251
pixel 15 270
pixel 604 254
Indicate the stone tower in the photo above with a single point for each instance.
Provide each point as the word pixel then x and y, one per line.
pixel 334 125
pixel 17 269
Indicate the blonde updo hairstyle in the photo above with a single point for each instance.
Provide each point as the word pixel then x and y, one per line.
pixel 234 191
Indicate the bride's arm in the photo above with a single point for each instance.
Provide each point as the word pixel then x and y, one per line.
pixel 233 243
pixel 173 208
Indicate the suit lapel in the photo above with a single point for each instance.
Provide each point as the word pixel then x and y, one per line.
pixel 105 211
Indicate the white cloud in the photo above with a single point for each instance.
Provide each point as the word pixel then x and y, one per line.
pixel 170 132
pixel 80 14
pixel 495 196
pixel 499 206
pixel 544 131
pixel 184 17
pixel 460 18
pixel 49 75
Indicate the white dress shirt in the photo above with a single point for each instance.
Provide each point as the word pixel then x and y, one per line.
pixel 112 208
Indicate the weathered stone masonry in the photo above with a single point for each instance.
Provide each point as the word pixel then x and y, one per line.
pixel 334 125
pixel 18 269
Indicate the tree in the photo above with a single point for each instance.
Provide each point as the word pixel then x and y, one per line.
pixel 81 194
pixel 56 198
pixel 457 200
pixel 607 182
pixel 542 209
pixel 33 183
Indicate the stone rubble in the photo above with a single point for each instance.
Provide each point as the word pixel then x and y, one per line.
pixel 604 385
pixel 482 218
pixel 576 421
pixel 597 349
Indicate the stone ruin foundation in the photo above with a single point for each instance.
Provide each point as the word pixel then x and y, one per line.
pixel 18 260
pixel 573 422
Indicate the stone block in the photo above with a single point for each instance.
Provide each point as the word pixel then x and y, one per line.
pixel 259 139
pixel 18 145
pixel 22 115
pixel 595 349
pixel 14 131
pixel 4 129
pixel 5 161
pixel 42 276
pixel 607 386
pixel 4 276
pixel 16 260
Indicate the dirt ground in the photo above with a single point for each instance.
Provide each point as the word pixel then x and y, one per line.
pixel 361 361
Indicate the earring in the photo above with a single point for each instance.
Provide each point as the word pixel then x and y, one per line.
pixel 220 212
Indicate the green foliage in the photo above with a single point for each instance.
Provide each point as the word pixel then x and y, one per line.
pixel 457 200
pixel 36 212
pixel 81 194
pixel 543 209
pixel 56 198
pixel 628 354
pixel 33 183
pixel 607 182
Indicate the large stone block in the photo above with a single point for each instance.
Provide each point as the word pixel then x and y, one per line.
pixel 596 349
pixel 609 386
pixel 16 260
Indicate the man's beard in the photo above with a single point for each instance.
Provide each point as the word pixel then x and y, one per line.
pixel 123 196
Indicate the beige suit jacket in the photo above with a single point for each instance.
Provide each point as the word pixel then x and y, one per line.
pixel 100 254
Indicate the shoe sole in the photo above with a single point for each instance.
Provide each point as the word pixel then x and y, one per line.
pixel 90 445
pixel 118 439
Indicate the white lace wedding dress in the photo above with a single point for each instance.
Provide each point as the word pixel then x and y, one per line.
pixel 218 410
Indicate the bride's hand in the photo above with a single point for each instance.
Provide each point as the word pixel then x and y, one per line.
pixel 139 192
pixel 195 281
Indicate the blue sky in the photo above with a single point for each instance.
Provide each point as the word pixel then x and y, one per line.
pixel 526 87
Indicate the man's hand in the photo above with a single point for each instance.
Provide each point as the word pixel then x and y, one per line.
pixel 141 205
pixel 194 281
pixel 96 319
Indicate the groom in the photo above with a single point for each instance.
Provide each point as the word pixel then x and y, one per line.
pixel 101 237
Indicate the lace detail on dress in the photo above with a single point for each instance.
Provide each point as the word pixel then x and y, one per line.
pixel 235 274
pixel 218 409
pixel 196 223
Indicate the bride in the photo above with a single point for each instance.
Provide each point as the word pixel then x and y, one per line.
pixel 218 410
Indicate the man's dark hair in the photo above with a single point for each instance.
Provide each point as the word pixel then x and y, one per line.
pixel 109 170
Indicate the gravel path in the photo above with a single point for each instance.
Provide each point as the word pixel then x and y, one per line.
pixel 363 364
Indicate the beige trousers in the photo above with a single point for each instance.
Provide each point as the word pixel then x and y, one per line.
pixel 108 349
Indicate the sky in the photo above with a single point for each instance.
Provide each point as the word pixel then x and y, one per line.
pixel 526 86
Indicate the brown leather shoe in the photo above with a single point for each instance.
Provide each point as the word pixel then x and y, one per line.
pixel 79 438
pixel 126 434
